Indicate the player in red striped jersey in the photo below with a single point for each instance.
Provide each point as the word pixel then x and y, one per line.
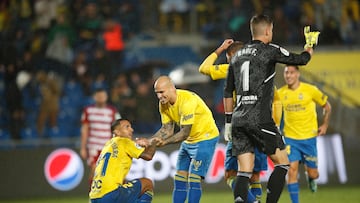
pixel 96 121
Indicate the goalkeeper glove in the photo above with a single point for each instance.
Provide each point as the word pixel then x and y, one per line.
pixel 227 132
pixel 311 38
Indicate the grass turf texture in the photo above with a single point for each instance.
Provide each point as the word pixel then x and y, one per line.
pixel 323 195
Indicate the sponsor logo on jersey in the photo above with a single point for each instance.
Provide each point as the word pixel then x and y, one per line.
pixel 63 169
pixel 187 117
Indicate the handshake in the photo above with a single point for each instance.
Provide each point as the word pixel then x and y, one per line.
pixel 311 38
pixel 144 142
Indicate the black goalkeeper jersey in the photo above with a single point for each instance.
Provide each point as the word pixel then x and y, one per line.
pixel 251 75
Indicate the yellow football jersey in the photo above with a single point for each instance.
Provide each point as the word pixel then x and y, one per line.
pixel 190 109
pixel 113 165
pixel 299 106
pixel 216 72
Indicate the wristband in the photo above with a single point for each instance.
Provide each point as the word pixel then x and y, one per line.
pixel 228 117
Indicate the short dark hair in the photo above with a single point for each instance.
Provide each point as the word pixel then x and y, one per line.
pixel 116 123
pixel 256 22
pixel 100 89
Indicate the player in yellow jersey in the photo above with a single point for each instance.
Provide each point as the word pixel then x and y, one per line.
pixel 113 164
pixel 299 101
pixel 198 135
pixel 219 71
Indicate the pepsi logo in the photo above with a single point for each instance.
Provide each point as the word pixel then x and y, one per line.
pixel 64 169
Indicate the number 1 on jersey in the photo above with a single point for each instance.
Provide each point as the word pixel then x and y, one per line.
pixel 245 76
pixel 106 161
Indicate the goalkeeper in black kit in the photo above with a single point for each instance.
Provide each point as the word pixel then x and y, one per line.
pixel 251 75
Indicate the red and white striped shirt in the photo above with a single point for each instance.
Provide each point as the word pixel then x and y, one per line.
pixel 99 120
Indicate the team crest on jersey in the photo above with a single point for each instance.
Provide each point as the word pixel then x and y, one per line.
pixel 301 96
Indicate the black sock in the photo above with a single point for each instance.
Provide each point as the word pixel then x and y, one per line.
pixel 241 187
pixel 276 183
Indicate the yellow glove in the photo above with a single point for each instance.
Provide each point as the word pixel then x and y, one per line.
pixel 311 38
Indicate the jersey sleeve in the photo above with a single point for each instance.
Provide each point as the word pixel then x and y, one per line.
pixel 318 96
pixel 206 65
pixel 133 150
pixel 284 56
pixel 216 72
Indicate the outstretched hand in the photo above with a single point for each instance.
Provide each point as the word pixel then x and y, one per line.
pixel 143 142
pixel 158 141
pixel 322 130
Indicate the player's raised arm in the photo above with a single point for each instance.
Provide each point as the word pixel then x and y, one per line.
pixel 205 67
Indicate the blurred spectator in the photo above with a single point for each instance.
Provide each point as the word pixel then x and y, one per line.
pixel 88 26
pixel 114 44
pixel 332 10
pixel 122 97
pixel 4 17
pixel 50 95
pixel 45 12
pixel 27 63
pixel 172 14
pixel 62 27
pixel 238 15
pixel 20 42
pixel 13 101
pixel 308 14
pixel 9 53
pixel 135 79
pixel 147 119
pixel 128 16
pixel 76 8
pixel 25 15
pixel 149 14
pixel 205 12
pixel 81 72
pixel 107 8
pixel 60 50
pixel 100 65
pixel 332 36
pixel 350 21
pixel 281 27
pixel 38 44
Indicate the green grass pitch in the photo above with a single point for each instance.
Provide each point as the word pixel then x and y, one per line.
pixel 325 194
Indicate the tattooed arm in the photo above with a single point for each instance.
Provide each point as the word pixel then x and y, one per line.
pixel 182 135
pixel 164 136
pixel 165 131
